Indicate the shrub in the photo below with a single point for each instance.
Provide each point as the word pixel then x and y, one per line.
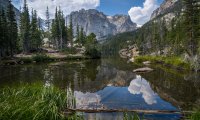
pixel 41 58
pixel 93 52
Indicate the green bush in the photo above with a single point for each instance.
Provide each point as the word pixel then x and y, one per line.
pixel 33 102
pixel 41 58
pixel 93 52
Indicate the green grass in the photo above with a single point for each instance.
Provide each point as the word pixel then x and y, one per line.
pixel 33 102
pixel 176 62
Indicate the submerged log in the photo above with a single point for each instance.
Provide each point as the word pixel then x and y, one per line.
pixel 147 63
pixel 123 110
pixel 143 70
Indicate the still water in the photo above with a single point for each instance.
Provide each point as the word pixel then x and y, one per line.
pixel 111 84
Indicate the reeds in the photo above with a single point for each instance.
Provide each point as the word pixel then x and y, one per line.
pixel 131 116
pixel 33 102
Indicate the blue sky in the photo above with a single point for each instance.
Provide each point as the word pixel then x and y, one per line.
pixel 112 7
pixel 139 10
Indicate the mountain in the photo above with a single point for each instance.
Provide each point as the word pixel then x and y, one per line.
pixel 4 4
pixel 102 25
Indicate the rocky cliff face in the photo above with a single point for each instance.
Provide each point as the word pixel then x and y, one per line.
pixel 97 22
pixel 166 7
pixel 122 23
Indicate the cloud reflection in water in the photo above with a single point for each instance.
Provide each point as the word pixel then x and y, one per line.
pixel 87 100
pixel 141 86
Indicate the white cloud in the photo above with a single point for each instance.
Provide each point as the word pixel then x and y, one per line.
pixel 66 5
pixel 141 86
pixel 141 15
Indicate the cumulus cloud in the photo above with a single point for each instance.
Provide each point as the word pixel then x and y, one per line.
pixel 141 86
pixel 141 15
pixel 66 5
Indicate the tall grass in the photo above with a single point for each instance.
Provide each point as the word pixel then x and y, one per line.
pixel 33 102
pixel 195 115
pixel 131 116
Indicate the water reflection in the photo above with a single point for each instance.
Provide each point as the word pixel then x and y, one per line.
pixel 87 100
pixel 110 83
pixel 48 77
pixel 141 86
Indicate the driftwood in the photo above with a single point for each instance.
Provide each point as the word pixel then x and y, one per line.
pixel 123 110
pixel 143 70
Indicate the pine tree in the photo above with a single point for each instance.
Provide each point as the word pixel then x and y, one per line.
pixel 82 36
pixel 25 28
pixel 77 34
pixel 55 30
pixel 12 31
pixel 156 42
pixel 47 19
pixel 190 22
pixel 163 34
pixel 58 30
pixel 71 35
pixel 4 33
pixel 35 32
pixel 197 23
pixel 47 22
pixel 64 30
pixel 1 34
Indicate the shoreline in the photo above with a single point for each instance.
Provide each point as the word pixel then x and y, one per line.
pixel 42 58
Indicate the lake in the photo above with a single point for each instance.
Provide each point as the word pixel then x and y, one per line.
pixel 110 84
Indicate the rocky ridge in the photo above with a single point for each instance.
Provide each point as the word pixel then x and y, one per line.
pixel 102 25
pixel 166 7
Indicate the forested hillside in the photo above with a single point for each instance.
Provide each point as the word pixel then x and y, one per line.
pixel 174 32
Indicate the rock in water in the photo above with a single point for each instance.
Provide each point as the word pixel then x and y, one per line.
pixel 143 70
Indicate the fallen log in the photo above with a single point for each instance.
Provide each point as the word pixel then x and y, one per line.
pixel 143 70
pixel 123 110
